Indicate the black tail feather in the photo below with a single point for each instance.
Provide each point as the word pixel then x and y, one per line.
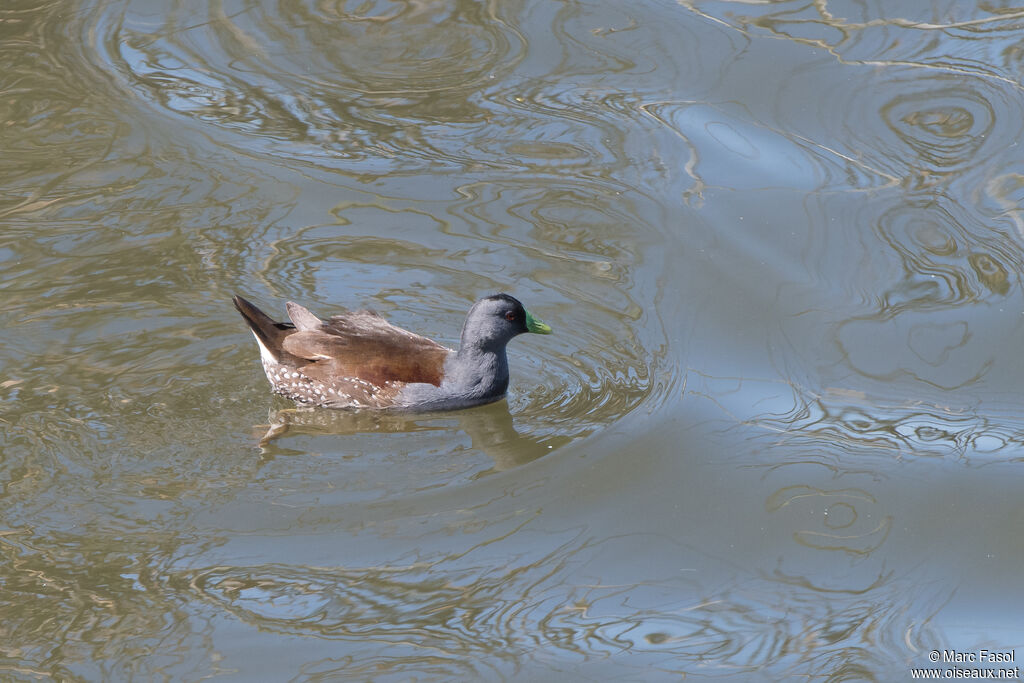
pixel 269 332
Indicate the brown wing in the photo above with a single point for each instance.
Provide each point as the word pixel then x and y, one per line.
pixel 362 345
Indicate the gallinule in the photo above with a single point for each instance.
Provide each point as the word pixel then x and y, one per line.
pixel 360 360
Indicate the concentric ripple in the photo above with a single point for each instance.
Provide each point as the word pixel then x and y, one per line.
pixel 395 48
pixel 945 128
pixel 336 81
pixel 488 621
pixel 915 132
pixel 947 259
pixel 558 248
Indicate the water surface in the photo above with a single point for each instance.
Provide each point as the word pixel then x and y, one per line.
pixel 776 434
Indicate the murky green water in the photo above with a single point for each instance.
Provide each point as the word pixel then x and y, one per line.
pixel 777 432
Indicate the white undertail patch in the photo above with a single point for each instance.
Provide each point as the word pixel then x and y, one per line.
pixel 265 353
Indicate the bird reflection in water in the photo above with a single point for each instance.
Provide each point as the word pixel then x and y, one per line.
pixel 491 429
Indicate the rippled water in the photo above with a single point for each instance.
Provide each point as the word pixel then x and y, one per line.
pixel 776 434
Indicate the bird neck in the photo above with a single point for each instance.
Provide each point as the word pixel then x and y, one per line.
pixel 480 369
pixel 490 355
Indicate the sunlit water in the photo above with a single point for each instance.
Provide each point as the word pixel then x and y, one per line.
pixel 776 434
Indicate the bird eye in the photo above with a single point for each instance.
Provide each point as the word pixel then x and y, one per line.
pixel 510 316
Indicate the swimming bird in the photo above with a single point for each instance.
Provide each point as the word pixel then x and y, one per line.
pixel 360 360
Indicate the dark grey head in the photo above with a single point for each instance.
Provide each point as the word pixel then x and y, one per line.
pixel 494 320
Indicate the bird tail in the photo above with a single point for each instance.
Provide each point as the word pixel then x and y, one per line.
pixel 268 333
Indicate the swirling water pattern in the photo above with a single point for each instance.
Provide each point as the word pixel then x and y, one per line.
pixel 779 243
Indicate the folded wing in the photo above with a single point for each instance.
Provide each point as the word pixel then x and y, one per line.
pixel 362 345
